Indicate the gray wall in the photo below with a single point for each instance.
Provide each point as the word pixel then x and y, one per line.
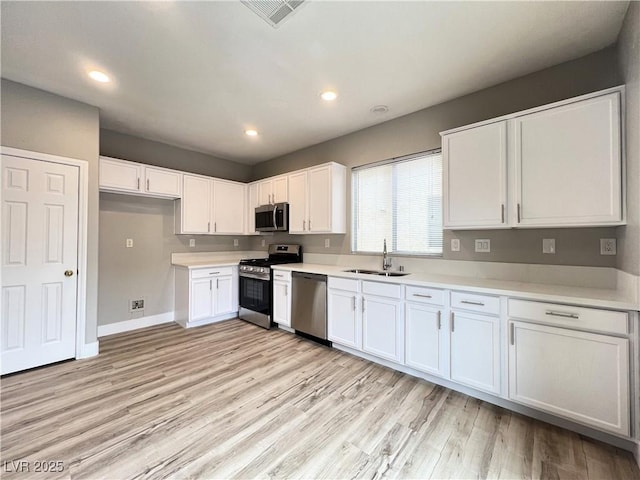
pixel 39 121
pixel 629 58
pixel 143 271
pixel 419 131
pixel 135 149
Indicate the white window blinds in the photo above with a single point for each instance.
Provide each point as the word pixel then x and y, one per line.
pixel 400 200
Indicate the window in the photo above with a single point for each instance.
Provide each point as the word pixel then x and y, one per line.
pixel 401 201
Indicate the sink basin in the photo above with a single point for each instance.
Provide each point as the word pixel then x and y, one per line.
pixel 359 270
pixel 377 272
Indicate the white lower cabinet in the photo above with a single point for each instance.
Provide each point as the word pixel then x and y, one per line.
pixel 424 338
pixel 344 318
pixel 582 376
pixel 383 328
pixel 205 295
pixel 282 298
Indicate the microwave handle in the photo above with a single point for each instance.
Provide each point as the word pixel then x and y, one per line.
pixel 275 218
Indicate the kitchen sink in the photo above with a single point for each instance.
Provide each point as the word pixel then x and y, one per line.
pixel 377 272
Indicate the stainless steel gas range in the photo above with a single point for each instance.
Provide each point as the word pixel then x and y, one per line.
pixel 256 283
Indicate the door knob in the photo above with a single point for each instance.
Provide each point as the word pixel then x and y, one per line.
pixel 68 273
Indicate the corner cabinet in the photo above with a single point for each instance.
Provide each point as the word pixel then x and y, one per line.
pixel 558 165
pixel 317 200
pixel 205 295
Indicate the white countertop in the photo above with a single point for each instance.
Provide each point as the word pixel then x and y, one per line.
pixel 212 259
pixel 594 297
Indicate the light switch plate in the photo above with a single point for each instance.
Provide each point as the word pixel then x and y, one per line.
pixel 235 242
pixel 483 245
pixel 263 242
pixel 327 243
pixel 607 246
pixel 548 245
pixel 192 242
pixel 129 243
pixel 455 244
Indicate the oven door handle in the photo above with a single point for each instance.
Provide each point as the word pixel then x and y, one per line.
pixel 275 218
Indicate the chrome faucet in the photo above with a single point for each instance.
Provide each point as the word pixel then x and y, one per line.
pixel 386 260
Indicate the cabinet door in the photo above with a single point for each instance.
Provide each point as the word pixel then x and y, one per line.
pixel 201 304
pixel 344 320
pixel 319 199
pixel 298 202
pixel 159 181
pixel 119 175
pixel 282 303
pixel 578 375
pixel 196 204
pixel 568 164
pixel 474 177
pixel 228 207
pixel 265 192
pixel 251 210
pixel 383 328
pixel 475 350
pixel 223 294
pixel 281 189
pixel 424 338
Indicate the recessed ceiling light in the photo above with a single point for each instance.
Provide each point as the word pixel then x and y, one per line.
pixel 328 95
pixel 379 109
pixel 251 133
pixel 99 76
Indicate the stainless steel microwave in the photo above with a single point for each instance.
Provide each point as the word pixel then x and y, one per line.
pixel 272 218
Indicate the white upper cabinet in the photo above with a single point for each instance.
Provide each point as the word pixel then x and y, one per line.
pixel 317 200
pixel 119 175
pixel 475 177
pixel 562 164
pixel 228 207
pixel 138 179
pixel 273 190
pixel 193 211
pixel 568 164
pixel 252 203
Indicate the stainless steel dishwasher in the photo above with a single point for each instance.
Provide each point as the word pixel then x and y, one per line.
pixel 309 304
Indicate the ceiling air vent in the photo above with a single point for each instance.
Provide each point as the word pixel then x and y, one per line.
pixel 273 11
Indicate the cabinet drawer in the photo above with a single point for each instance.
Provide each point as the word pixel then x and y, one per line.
pixel 475 303
pixel 210 272
pixel 424 295
pixel 281 276
pixel 347 284
pixel 569 316
pixel 382 289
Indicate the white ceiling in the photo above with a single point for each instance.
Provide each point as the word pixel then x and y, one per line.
pixel 197 74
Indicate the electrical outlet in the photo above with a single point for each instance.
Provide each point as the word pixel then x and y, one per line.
pixel 129 243
pixel 263 242
pixel 327 243
pixel 607 246
pixel 483 245
pixel 135 305
pixel 455 244
pixel 192 242
pixel 548 245
pixel 235 242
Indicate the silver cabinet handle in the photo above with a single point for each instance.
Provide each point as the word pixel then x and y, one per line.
pixel 439 320
pixel 286 290
pixel 512 334
pixel 215 226
pixel 518 213
pixel 562 314
pixel 279 275
pixel 309 224
pixel 210 282
pixel 354 303
pixel 453 328
pixel 147 184
pixel 208 226
pixel 502 213
pixel 422 295
pixel 217 283
pixel 304 225
pixel 363 304
pixel 138 183
pixel 213 273
pixel 469 302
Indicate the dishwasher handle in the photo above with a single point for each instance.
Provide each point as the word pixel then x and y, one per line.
pixel 309 276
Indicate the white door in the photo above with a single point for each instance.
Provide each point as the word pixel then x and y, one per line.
pixel 382 328
pixel 196 205
pixel 228 207
pixel 39 262
pixel 298 202
pixel 344 320
pixel 423 335
pixel 223 295
pixel 579 375
pixel 201 303
pixel 319 199
pixel 475 350
pixel 281 303
pixel 475 177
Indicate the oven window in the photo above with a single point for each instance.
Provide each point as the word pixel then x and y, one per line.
pixel 255 294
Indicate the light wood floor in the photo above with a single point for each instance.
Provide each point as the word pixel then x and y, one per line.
pixel 234 400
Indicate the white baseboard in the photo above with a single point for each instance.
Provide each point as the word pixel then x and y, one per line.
pixel 636 453
pixel 286 329
pixel 134 324
pixel 207 321
pixel 88 350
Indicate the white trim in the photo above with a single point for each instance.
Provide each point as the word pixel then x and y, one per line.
pixel 286 329
pixel 636 452
pixel 134 324
pixel 89 350
pixel 83 202
pixel 207 321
